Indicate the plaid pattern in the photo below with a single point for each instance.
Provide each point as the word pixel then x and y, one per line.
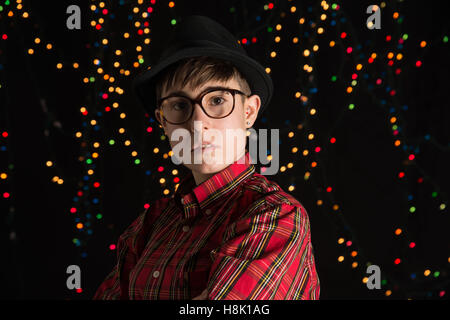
pixel 238 235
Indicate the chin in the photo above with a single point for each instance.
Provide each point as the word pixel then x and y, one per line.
pixel 206 168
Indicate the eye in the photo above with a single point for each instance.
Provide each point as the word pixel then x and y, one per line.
pixel 179 106
pixel 216 101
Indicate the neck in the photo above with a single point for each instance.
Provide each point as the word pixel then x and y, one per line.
pixel 200 177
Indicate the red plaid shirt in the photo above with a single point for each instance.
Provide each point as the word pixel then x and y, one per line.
pixel 237 234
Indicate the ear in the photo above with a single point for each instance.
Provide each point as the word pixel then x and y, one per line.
pixel 160 119
pixel 251 109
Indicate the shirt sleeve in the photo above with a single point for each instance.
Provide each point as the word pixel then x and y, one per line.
pixel 266 256
pixel 115 285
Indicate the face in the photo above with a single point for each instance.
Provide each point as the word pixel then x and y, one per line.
pixel 226 136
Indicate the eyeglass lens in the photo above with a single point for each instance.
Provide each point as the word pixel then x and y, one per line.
pixel 217 104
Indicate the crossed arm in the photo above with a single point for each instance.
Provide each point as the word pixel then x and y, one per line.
pixel 268 255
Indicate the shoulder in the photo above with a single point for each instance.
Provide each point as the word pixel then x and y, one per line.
pixel 142 223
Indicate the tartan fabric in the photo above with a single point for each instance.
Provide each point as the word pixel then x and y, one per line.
pixel 237 234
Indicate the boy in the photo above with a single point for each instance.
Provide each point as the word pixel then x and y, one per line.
pixel 227 232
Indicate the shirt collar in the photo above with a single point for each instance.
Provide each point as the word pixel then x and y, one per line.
pixel 192 198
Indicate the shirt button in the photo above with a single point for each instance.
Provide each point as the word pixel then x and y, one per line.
pixel 208 211
pixel 156 274
pixel 185 228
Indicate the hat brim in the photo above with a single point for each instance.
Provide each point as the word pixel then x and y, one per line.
pixel 259 81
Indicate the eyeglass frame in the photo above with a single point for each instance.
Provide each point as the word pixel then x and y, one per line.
pixel 198 101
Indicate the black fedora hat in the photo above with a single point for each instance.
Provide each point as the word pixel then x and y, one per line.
pixel 201 36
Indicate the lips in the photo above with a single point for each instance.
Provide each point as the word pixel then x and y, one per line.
pixel 205 145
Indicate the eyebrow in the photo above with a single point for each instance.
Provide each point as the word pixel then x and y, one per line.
pixel 184 94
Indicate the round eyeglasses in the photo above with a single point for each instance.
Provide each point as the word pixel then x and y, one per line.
pixel 216 103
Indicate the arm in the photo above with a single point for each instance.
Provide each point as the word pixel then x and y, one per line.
pixel 115 285
pixel 267 255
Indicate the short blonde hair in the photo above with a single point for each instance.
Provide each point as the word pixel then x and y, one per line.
pixel 195 71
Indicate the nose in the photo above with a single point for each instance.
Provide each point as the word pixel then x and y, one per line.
pixel 200 118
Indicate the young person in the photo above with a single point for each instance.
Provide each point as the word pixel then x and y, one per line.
pixel 227 232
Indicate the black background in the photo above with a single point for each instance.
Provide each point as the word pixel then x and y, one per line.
pixel 362 169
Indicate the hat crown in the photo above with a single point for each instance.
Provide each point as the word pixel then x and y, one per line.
pixel 200 31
